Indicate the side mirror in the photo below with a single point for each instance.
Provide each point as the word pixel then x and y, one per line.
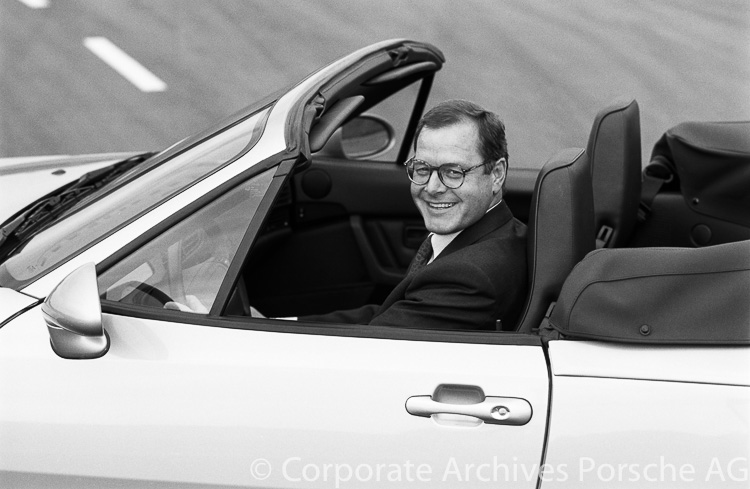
pixel 73 315
pixel 366 136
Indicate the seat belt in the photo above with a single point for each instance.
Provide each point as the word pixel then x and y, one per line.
pixel 603 236
pixel 656 174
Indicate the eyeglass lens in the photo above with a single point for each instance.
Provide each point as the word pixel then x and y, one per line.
pixel 452 175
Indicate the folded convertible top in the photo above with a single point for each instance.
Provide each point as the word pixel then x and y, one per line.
pixel 712 163
pixel 680 296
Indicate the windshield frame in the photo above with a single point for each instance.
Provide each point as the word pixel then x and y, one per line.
pixel 31 259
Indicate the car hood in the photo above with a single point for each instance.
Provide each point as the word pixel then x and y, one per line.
pixel 24 180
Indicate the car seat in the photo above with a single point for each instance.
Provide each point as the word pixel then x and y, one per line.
pixel 614 149
pixel 560 230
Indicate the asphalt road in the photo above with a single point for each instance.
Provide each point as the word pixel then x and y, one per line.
pixel 546 67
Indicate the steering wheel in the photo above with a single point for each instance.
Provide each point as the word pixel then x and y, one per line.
pixel 143 294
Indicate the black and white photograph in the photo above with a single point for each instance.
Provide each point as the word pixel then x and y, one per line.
pixel 374 243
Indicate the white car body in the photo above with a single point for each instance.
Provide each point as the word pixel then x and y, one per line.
pixel 173 404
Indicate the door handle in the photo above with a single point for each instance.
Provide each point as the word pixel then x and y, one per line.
pixel 511 411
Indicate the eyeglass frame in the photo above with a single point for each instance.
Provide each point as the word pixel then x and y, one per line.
pixel 440 175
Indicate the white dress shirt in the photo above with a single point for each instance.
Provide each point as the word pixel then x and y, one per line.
pixel 441 241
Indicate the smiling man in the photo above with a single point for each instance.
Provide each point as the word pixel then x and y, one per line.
pixel 471 270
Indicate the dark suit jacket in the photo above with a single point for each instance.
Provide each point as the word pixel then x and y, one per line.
pixel 479 277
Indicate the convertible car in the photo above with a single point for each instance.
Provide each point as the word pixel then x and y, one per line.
pixel 630 365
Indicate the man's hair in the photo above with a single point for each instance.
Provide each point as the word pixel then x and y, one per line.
pixel 490 129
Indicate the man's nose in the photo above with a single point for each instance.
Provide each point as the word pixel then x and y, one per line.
pixel 434 184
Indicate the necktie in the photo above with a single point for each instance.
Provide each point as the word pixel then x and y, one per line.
pixel 424 253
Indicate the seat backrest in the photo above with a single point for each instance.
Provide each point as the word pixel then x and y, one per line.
pixel 614 150
pixel 560 230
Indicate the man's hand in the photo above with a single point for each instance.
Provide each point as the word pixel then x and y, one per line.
pixel 193 305
pixel 256 313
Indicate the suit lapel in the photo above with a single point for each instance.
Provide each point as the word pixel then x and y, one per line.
pixel 491 221
pixel 496 218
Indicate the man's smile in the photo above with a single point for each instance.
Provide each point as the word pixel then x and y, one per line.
pixel 440 205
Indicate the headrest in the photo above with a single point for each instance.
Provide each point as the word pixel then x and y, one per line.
pixel 614 150
pixel 560 230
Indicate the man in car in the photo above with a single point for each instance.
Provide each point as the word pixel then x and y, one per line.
pixel 471 270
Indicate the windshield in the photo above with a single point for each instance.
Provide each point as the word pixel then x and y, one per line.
pixel 92 220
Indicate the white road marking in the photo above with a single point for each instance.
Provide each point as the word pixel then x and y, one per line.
pixel 35 3
pixel 125 65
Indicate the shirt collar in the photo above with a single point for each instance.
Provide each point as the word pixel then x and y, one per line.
pixel 495 205
pixel 441 241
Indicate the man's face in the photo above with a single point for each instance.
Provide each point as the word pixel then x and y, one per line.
pixel 448 210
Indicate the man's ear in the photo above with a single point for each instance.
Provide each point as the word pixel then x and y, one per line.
pixel 499 173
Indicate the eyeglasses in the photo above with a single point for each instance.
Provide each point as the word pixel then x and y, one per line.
pixel 451 174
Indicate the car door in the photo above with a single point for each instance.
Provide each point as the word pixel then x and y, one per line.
pixel 264 404
pixel 194 398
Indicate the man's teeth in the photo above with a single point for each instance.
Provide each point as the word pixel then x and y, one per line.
pixel 441 206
